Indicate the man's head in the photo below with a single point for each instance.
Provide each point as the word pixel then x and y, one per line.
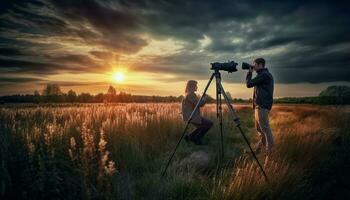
pixel 258 63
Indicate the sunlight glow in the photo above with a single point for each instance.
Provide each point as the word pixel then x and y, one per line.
pixel 118 77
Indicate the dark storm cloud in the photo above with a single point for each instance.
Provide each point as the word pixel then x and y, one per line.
pixel 183 64
pixel 10 52
pixel 4 80
pixel 82 60
pixel 313 65
pixel 74 83
pixel 241 28
pixel 21 66
pixel 101 54
pixel 115 29
pixel 308 38
pixel 70 63
pixel 7 82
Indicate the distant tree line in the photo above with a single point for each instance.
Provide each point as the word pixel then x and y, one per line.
pixel 320 100
pixel 52 93
pixel 334 95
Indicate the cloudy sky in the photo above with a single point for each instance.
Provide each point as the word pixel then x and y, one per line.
pixel 152 47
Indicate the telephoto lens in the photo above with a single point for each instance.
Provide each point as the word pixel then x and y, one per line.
pixel 227 66
pixel 246 66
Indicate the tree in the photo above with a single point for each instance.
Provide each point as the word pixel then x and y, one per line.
pixel 52 93
pixel 112 91
pixel 99 97
pixel 71 96
pixel 111 94
pixel 85 98
pixel 336 91
pixel 36 98
pixel 52 90
pixel 36 93
pixel 336 94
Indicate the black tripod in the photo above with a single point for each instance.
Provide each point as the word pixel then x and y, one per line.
pixel 219 91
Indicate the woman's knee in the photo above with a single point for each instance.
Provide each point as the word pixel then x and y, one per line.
pixel 209 124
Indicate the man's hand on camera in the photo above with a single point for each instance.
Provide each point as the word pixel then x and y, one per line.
pixel 251 69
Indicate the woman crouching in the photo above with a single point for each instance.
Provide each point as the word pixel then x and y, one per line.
pixel 188 104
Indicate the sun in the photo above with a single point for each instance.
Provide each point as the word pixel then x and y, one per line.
pixel 118 77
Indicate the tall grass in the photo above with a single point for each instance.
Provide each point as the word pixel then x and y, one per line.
pixel 117 151
pixel 305 137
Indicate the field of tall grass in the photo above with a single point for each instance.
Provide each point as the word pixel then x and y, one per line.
pixel 118 151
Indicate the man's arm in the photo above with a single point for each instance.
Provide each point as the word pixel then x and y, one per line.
pixel 255 81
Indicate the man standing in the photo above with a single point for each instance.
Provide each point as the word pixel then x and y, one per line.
pixel 262 101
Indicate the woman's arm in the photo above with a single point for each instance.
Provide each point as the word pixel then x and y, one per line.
pixel 193 99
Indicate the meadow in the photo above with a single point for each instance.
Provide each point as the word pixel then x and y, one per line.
pixel 118 151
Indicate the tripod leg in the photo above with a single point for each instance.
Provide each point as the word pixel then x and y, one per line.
pixel 187 124
pixel 221 128
pixel 219 115
pixel 219 119
pixel 238 124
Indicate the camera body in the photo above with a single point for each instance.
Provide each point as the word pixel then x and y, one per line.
pixel 230 66
pixel 246 66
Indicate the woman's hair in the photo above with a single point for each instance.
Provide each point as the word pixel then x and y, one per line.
pixel 190 86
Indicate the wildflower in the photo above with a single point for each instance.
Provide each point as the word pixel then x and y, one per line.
pixel 31 148
pixel 110 168
pixel 72 148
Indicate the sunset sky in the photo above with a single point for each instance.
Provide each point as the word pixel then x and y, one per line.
pixel 154 47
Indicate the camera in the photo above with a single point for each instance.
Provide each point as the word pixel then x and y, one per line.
pixel 230 66
pixel 247 66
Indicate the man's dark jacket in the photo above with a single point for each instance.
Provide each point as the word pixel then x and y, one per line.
pixel 263 88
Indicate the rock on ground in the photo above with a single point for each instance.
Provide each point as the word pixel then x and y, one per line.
pixel 198 159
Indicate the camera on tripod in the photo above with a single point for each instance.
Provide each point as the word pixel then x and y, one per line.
pixel 230 66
